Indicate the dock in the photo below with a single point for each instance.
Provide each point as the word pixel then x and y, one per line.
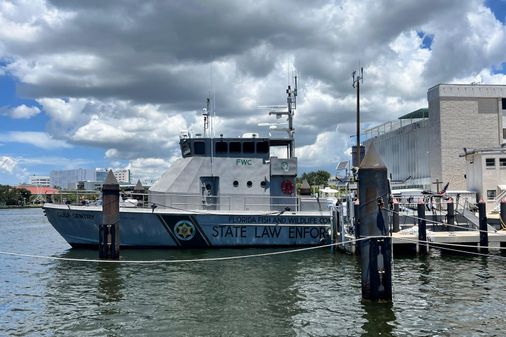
pixel 452 240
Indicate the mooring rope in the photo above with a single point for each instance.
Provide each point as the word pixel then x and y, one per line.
pixel 225 258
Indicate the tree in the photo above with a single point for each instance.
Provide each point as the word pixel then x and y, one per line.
pixel 317 178
pixel 12 196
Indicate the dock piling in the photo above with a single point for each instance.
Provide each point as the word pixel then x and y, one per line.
pixel 482 213
pixel 450 214
pixel 109 229
pixel 422 246
pixel 395 216
pixel 375 252
pixel 502 217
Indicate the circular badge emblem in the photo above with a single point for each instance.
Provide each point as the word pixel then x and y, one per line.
pixel 284 166
pixel 184 230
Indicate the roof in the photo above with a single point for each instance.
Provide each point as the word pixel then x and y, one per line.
pixel 38 189
pixel 420 113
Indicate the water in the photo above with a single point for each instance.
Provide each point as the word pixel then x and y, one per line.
pixel 312 293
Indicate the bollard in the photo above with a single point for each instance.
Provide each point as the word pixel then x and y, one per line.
pixel 422 229
pixel 482 214
pixel 450 214
pixel 502 217
pixel 109 229
pixel 395 216
pixel 376 252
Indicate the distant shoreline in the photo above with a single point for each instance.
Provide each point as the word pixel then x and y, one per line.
pixel 21 207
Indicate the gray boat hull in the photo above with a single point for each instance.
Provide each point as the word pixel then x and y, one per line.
pixel 145 228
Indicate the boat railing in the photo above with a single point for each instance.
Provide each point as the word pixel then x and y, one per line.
pixel 188 201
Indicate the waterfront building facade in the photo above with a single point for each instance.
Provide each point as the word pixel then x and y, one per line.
pixel 43 181
pixel 486 174
pixel 68 179
pixel 122 176
pixel 421 149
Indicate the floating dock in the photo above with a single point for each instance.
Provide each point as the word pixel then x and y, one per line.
pixel 456 240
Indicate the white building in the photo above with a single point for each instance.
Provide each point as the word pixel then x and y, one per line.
pixel 123 176
pixel 486 174
pixel 39 181
pixel 422 149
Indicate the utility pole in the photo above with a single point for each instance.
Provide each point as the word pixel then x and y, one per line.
pixel 356 84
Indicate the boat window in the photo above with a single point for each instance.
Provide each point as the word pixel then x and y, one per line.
pixel 263 184
pixel 249 184
pixel 248 147
pixel 235 147
pixel 199 147
pixel 263 147
pixel 221 147
pixel 236 183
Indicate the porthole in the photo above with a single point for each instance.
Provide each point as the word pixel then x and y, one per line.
pixel 236 183
pixel 249 184
pixel 263 183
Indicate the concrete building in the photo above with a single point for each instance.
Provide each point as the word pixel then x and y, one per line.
pixel 422 149
pixel 486 174
pixel 122 176
pixel 43 181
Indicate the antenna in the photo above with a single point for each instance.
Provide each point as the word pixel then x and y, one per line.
pixel 205 113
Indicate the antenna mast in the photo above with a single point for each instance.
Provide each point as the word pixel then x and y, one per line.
pixel 205 113
pixel 356 84
pixel 291 102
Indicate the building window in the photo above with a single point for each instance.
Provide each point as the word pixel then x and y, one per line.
pixel 502 162
pixel 490 162
pixel 490 194
pixel 504 103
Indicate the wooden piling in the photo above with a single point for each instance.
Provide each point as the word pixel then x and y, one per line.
pixel 376 252
pixel 109 229
pixel 395 217
pixel 482 215
pixel 422 246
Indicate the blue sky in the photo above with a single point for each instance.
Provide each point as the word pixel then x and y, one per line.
pixel 112 86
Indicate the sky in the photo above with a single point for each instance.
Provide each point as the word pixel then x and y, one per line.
pixel 111 84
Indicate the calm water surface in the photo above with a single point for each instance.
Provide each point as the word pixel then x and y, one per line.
pixel 313 293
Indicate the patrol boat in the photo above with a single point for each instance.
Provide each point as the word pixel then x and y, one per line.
pixel 222 192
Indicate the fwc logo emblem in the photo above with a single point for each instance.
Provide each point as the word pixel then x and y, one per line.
pixel 184 230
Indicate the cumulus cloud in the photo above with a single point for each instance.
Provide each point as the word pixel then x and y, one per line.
pixel 20 111
pixel 126 77
pixel 39 139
